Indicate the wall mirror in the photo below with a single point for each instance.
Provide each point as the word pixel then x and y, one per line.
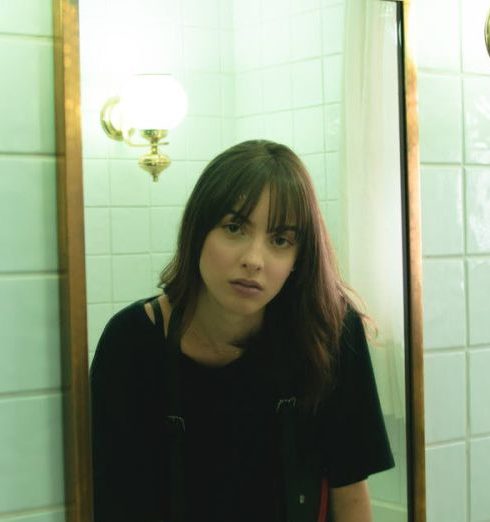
pixel 330 78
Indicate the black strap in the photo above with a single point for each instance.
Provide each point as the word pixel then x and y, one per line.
pixel 157 312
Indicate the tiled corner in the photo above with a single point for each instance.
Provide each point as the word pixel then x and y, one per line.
pixel 130 229
pixel 442 210
pixel 478 210
pixel 307 83
pixel 306 36
pixel 333 29
pixel 443 53
pixel 444 303
pixel 475 56
pixel 30 355
pixel 479 361
pixel 440 117
pixel 204 93
pixel 308 130
pixel 446 477
pixel 478 292
pixel 131 275
pixel 37 20
pixel 248 93
pixel 201 49
pixel 27 96
pixel 31 452
pixel 28 188
pixel 480 478
pixel 445 396
pixel 247 49
pixel 477 119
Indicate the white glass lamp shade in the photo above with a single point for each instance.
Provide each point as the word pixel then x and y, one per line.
pixel 152 101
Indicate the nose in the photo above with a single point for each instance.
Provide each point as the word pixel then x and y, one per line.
pixel 253 255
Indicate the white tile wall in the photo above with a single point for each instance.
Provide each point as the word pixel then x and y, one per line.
pixel 454 76
pixel 479 370
pixel 480 478
pixel 31 420
pixel 446 483
pixel 440 123
pixel 445 392
pixel 442 210
pixel 444 293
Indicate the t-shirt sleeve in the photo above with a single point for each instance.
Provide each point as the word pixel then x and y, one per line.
pixel 352 425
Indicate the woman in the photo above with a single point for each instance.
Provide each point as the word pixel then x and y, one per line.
pixel 245 391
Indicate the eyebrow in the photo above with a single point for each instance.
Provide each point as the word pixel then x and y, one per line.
pixel 244 219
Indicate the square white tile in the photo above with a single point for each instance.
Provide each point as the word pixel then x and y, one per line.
pixel 440 113
pixel 477 120
pixel 307 83
pixel 479 361
pixel 131 277
pixel 306 36
pixel 308 128
pixel 445 396
pixel 478 292
pixel 478 210
pixel 479 479
pixel 443 52
pixel 442 210
pixel 130 230
pixel 446 483
pixel 444 303
pixel 333 29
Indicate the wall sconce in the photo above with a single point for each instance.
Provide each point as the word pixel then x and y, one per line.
pixel 148 107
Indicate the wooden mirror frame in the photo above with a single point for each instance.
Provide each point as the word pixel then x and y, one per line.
pixel 73 315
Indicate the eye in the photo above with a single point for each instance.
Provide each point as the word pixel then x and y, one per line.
pixel 232 228
pixel 282 241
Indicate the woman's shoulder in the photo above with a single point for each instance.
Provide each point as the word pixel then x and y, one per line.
pixel 129 320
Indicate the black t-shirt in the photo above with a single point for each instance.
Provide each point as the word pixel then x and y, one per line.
pixel 232 469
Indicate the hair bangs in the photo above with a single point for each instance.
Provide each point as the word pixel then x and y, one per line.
pixel 286 207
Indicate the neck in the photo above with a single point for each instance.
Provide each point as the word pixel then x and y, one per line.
pixel 219 327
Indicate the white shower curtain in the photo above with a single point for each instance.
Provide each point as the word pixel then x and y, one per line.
pixel 372 200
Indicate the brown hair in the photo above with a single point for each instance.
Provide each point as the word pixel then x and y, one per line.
pixel 313 301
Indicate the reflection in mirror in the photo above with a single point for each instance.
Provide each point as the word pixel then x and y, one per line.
pixel 250 70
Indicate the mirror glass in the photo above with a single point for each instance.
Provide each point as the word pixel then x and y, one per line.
pixel 298 72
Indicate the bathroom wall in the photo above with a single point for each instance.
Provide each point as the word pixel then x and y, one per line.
pixel 454 98
pixel 251 69
pixel 31 450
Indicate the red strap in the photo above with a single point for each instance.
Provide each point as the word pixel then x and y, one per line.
pixel 322 513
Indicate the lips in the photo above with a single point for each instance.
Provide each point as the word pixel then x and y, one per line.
pixel 248 283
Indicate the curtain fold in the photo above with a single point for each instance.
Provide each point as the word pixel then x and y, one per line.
pixel 372 187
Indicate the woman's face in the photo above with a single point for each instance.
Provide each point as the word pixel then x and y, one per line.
pixel 237 249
